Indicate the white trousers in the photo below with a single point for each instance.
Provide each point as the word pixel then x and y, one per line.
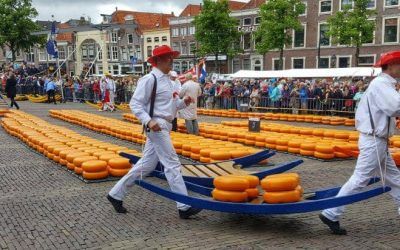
pixel 368 167
pixel 158 148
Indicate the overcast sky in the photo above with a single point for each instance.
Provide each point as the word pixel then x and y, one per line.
pixel 66 9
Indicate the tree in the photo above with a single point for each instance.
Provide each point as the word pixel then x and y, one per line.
pixel 352 26
pixel 216 31
pixel 278 19
pixel 16 26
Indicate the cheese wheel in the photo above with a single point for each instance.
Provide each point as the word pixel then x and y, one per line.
pixel 70 166
pixel 229 196
pixel 79 160
pixel 300 189
pixel 195 156
pixel 63 154
pixel 307 146
pixel 220 155
pixel 282 197
pixel 95 176
pixel 281 148
pixel 63 162
pixel 341 155
pixel 107 157
pixel 326 149
pixel 56 158
pixel 100 153
pixel 238 153
pixel 253 180
pixel 118 172
pixel 278 184
pixel 57 151
pixel 306 152
pixel 230 183
pixel 324 156
pixel 294 150
pixel 94 166
pixel 205 159
pixel 78 171
pixel 252 193
pixel 119 163
pixel 70 157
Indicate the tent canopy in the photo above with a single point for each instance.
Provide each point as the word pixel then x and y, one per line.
pixel 309 73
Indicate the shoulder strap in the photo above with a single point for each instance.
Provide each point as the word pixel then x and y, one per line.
pixel 153 96
pixel 370 117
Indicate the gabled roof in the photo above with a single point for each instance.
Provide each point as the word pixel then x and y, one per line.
pixel 253 4
pixel 195 9
pixel 145 20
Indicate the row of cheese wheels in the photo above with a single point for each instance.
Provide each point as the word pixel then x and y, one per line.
pixel 3 112
pixel 313 145
pixel 280 188
pixel 91 158
pixel 191 146
pixel 232 113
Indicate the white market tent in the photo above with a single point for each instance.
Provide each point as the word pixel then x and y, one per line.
pixel 309 73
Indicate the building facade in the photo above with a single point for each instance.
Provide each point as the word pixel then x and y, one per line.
pixel 312 48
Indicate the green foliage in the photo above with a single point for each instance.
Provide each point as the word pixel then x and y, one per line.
pixel 351 26
pixel 16 25
pixel 216 31
pixel 278 19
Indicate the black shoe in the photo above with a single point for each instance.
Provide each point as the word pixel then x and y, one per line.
pixel 191 211
pixel 334 226
pixel 119 208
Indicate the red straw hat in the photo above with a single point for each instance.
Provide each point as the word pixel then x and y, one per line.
pixel 389 58
pixel 163 51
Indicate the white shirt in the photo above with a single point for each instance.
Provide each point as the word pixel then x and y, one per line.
pixel 110 85
pixel 177 86
pixel 192 89
pixel 165 105
pixel 384 102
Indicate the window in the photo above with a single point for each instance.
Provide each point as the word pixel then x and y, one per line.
pixel 91 51
pixel 108 53
pixel 299 38
pixel 371 4
pixel 257 65
pixel 192 48
pixel 114 37
pixel 344 62
pixel 246 64
pixel 246 21
pixel 175 32
pixel 100 57
pixel 257 20
pixel 346 4
pixel 41 52
pixel 115 70
pixel 367 60
pixel 130 38
pixel 185 66
pixel 247 41
pixel 114 50
pixel 149 40
pixel 298 63
pixel 61 53
pixel 30 55
pixel 192 30
pixel 390 30
pixel 184 48
pixel 305 9
pixel 324 39
pixel 325 6
pixel 324 62
pixel 100 69
pixel 392 3
pixel 183 31
pixel 164 38
pixel 176 46
pixel 138 51
pixel 177 66
pixel 149 51
pixel 275 64
pixel 156 39
pixel 84 52
pixel 124 54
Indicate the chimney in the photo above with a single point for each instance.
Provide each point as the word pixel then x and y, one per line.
pixel 172 13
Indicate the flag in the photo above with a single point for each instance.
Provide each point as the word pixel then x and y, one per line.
pixel 51 45
pixel 203 72
pixel 190 71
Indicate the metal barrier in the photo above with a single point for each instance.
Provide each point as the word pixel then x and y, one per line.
pixel 343 107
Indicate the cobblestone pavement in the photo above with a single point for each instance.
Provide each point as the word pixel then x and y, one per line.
pixel 44 207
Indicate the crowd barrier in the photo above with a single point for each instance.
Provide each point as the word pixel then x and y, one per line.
pixel 338 107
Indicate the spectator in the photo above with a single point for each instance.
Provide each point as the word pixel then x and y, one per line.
pixel 11 89
pixel 285 97
pixel 51 91
pixel 96 90
pixel 358 95
pixel 275 95
pixel 254 97
pixel 303 94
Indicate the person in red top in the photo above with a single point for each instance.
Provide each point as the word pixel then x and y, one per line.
pixel 96 90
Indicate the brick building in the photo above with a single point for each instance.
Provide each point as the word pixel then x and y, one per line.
pixel 312 42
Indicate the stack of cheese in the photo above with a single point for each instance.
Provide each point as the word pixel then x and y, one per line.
pixel 282 188
pixel 235 188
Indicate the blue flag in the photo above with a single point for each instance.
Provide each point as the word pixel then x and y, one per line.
pixel 51 45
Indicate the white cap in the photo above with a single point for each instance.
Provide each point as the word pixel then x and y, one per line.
pixel 173 74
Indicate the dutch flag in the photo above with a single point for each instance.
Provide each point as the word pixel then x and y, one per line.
pixel 203 73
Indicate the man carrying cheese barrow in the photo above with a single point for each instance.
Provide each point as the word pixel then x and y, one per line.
pixel 155 104
pixel 375 120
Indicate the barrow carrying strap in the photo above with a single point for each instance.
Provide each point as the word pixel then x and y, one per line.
pixel 152 101
pixel 370 118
